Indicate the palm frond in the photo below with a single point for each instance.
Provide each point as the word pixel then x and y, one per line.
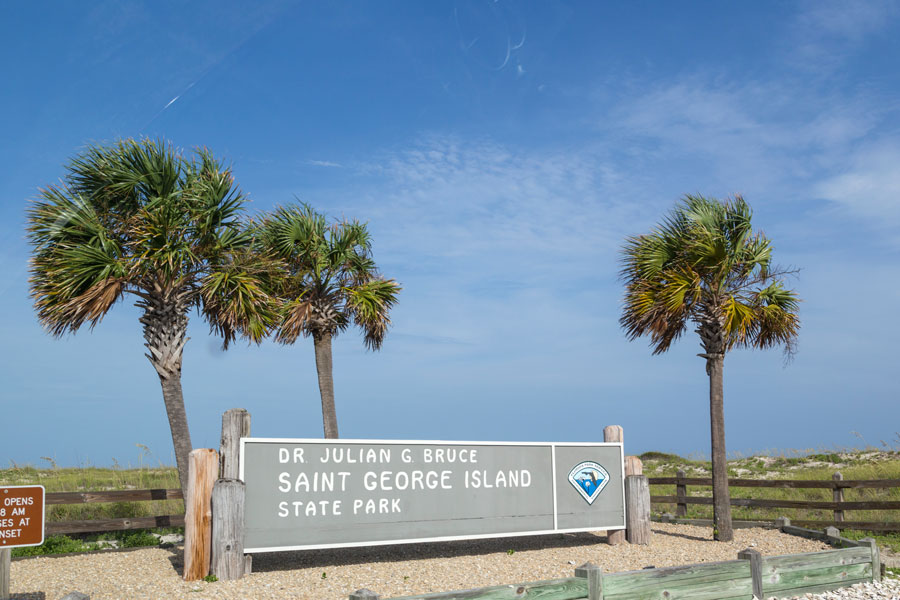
pixel 295 320
pixel 234 301
pixel 370 304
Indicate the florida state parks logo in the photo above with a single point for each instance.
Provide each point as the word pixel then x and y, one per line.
pixel 589 478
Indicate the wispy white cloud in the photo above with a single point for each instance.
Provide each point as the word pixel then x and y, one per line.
pixel 496 242
pixel 775 142
pixel 850 21
pixel 480 195
pixel 827 32
pixel 869 186
pixel 323 163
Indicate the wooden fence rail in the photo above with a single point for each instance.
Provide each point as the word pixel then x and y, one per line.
pixel 781 483
pixel 873 505
pixel 112 496
pixel 120 524
pixel 838 505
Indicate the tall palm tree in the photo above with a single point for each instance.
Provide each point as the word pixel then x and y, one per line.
pixel 704 265
pixel 327 280
pixel 138 217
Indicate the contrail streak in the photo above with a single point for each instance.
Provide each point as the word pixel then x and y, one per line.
pixel 179 95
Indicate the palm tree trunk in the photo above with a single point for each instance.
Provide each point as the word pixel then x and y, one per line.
pixel 322 342
pixel 165 331
pixel 722 529
pixel 178 425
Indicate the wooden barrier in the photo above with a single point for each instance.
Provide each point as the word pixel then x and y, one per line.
pixel 798 574
pixel 838 505
pixel 743 524
pixel 115 524
pixel 750 575
pixel 571 588
pixel 832 536
pixel 873 505
pixel 708 581
pixel 121 524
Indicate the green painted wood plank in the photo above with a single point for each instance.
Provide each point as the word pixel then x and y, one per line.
pixel 803 532
pixel 572 588
pixel 814 589
pixel 793 562
pixel 813 577
pixel 741 587
pixel 734 574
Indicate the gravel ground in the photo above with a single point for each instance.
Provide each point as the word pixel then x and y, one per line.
pixel 401 570
pixel 889 589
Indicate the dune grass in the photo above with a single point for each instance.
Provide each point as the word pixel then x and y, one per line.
pixel 92 479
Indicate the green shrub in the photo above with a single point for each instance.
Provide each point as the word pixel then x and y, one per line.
pixel 139 539
pixel 654 455
pixel 55 544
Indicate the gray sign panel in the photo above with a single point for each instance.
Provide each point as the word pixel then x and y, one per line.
pixel 304 494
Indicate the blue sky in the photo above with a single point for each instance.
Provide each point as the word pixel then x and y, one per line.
pixel 500 153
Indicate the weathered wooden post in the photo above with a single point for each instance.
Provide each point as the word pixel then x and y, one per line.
pixel 633 466
pixel 5 554
pixel 756 566
pixel 876 558
pixel 838 495
pixel 594 576
pixel 680 495
pixel 613 433
pixel 781 523
pixel 364 594
pixel 235 425
pixel 637 509
pixel 203 464
pixel 227 560
pixel 833 535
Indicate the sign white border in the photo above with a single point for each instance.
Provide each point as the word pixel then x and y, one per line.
pixel 43 514
pixel 551 445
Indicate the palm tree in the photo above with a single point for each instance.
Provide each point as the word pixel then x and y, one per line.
pixel 326 281
pixel 138 217
pixel 704 264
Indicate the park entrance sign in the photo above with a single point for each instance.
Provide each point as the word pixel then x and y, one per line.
pixel 305 494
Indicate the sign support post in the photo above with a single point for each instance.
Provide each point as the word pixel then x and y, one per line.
pixel 5 554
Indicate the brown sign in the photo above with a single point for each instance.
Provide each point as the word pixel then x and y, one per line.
pixel 21 516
